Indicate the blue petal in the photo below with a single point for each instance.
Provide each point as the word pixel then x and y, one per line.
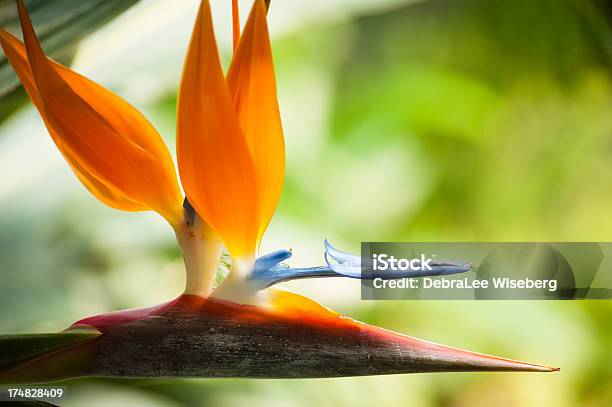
pixel 268 271
pixel 348 270
pixel 341 257
pixel 267 261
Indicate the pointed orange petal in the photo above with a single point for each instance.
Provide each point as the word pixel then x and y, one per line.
pixel 235 23
pixel 111 147
pixel 16 54
pixel 253 88
pixel 214 161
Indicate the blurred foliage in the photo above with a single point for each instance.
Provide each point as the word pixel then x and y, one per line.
pixel 513 109
pixel 436 120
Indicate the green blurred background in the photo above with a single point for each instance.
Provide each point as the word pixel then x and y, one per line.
pixel 439 120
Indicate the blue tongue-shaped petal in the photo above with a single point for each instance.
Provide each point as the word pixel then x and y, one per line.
pixel 267 261
pixel 341 257
pixel 268 269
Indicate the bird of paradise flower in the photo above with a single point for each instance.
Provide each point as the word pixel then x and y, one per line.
pixel 231 160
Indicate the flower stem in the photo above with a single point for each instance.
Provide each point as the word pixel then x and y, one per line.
pixel 201 249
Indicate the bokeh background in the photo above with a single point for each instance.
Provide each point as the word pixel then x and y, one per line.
pixel 439 120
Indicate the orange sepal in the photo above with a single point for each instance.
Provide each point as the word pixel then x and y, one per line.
pixel 114 151
pixel 287 302
pixel 252 85
pixel 235 23
pixel 215 164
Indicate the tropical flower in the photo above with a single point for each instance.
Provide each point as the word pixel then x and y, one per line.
pixel 229 142
pixel 231 160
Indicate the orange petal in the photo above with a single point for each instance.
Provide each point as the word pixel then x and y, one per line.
pixel 16 54
pixel 287 302
pixel 235 23
pixel 114 151
pixel 253 88
pixel 214 161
